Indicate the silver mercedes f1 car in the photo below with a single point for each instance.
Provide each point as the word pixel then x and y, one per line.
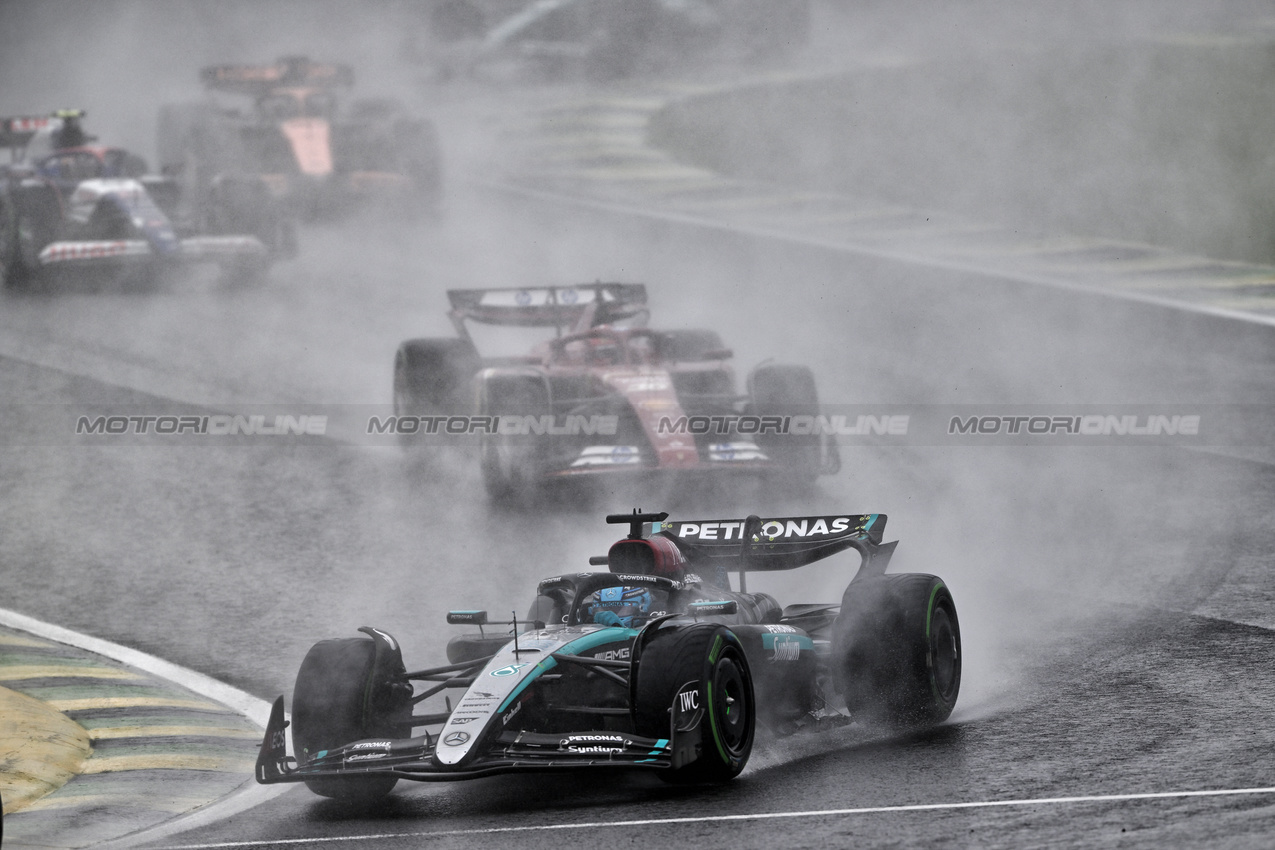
pixel 657 664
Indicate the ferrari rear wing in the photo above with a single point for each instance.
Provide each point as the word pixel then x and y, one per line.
pixel 577 307
pixel 288 71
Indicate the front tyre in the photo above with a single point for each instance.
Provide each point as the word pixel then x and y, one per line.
pixel 343 695
pixel 897 650
pixel 705 659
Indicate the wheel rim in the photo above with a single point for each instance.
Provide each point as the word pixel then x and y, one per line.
pixel 946 665
pixel 731 707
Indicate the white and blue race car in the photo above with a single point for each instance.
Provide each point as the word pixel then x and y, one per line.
pixel 69 206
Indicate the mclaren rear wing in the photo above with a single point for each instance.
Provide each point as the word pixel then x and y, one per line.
pixel 577 308
pixel 288 71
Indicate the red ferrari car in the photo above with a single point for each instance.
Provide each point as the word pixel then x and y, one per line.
pixel 605 396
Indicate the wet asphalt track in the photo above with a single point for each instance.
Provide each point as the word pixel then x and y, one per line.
pixel 1076 570
pixel 1115 601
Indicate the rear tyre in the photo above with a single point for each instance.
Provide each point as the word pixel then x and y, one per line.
pixel 712 656
pixel 897 650
pixel 340 697
pixel 431 377
pixel 511 468
pixel 434 375
pixel 244 205
pixel 778 389
pixel 174 128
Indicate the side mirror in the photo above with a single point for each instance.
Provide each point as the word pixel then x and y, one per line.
pixel 717 354
pixel 467 618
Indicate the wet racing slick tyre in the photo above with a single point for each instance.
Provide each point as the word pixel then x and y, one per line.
pixel 8 240
pixel 343 695
pixel 778 389
pixel 433 376
pixel 36 219
pixel 896 650
pixel 511 464
pixel 709 658
pixel 245 206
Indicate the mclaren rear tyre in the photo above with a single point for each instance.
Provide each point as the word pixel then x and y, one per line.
pixel 896 650
pixel 244 205
pixel 341 696
pixel 176 128
pixel 707 660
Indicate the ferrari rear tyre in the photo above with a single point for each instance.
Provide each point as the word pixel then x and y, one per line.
pixel 341 697
pixel 778 389
pixel 433 375
pixel 897 650
pixel 511 463
pixel 709 658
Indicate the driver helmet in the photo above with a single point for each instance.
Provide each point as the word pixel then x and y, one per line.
pixel 619 606
pixel 603 351
pixel 71 133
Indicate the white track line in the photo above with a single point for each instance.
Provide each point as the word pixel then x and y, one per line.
pixel 873 810
pixel 942 263
pixel 248 795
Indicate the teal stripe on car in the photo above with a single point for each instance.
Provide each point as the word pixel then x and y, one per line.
pixel 575 647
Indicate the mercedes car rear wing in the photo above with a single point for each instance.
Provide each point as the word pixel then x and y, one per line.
pixel 754 544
